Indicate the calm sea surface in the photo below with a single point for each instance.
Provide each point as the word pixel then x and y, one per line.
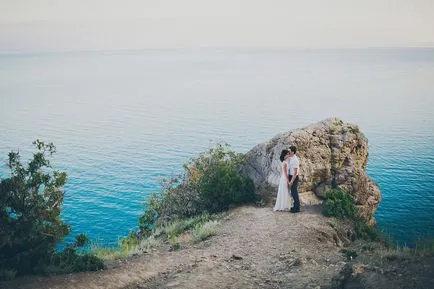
pixel 123 120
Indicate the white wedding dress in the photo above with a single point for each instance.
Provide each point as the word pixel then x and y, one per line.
pixel 283 200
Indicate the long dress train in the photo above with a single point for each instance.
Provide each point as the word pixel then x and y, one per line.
pixel 283 200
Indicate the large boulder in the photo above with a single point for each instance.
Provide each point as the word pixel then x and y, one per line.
pixel 332 154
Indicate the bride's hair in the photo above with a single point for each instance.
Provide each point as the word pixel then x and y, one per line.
pixel 283 154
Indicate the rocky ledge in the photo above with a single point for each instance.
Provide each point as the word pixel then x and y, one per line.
pixel 332 154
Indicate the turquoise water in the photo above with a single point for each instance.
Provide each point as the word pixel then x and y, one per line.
pixel 123 120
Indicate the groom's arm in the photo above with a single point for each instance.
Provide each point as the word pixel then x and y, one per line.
pixel 296 170
pixel 294 176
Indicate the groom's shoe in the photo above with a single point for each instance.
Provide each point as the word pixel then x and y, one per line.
pixel 294 210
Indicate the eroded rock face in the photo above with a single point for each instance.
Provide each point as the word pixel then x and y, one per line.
pixel 332 154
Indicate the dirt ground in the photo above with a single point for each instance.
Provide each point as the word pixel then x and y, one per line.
pixel 254 248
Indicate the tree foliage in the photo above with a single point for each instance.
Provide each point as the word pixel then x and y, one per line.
pixel 31 201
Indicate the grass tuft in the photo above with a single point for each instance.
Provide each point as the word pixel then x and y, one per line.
pixel 205 230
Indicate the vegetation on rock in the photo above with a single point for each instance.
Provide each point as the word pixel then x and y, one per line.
pixel 340 204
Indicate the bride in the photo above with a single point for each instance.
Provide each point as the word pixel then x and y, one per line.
pixel 283 199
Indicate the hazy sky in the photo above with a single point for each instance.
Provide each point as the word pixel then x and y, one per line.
pixel 135 24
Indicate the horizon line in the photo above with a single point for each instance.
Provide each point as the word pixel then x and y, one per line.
pixel 192 48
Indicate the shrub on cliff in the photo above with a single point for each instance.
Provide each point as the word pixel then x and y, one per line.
pixel 340 204
pixel 211 182
pixel 31 200
pixel 218 180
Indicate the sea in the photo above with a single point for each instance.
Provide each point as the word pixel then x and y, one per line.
pixel 124 120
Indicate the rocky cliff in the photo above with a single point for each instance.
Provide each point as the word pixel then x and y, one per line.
pixel 332 154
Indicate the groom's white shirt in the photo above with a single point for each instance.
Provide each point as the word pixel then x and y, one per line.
pixel 293 163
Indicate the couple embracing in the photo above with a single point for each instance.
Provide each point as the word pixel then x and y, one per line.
pixel 288 181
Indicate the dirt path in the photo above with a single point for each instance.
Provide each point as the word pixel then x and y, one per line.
pixel 254 248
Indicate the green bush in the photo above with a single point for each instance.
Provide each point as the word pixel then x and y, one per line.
pixel 365 231
pixel 177 199
pixel 212 182
pixel 69 260
pixel 174 243
pixel 216 178
pixel 340 204
pixel 31 201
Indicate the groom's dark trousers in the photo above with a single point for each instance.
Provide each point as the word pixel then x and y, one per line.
pixel 294 193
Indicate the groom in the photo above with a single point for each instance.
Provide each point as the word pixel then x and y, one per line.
pixel 293 171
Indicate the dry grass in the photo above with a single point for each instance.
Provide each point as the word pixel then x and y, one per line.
pixel 379 254
pixel 199 227
pixel 124 250
pixel 203 231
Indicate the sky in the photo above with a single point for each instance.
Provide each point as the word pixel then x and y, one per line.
pixel 58 25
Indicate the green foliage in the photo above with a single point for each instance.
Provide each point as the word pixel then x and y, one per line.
pixel 31 201
pixel 174 243
pixel 212 182
pixel 81 240
pixel 128 246
pixel 69 261
pixel 339 204
pixel 149 218
pixel 365 231
pixel 177 199
pixel 353 129
pixel 215 176
pixel 130 242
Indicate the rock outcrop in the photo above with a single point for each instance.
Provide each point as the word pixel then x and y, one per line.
pixel 332 154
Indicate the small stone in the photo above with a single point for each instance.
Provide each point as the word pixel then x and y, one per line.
pixel 236 257
pixel 300 261
pixel 173 284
